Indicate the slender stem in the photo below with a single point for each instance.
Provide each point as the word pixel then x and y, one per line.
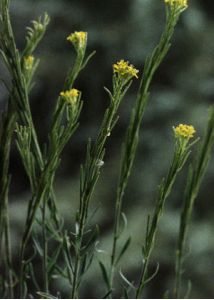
pixel 45 249
pixel 74 290
pixel 79 238
pixel 5 145
pixel 9 257
pixel 21 274
pixel 116 236
pixel 178 270
pixel 185 219
pixel 143 276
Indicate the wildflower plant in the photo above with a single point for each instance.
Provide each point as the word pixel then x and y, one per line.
pixel 193 183
pixel 74 250
pixel 90 171
pixel 181 153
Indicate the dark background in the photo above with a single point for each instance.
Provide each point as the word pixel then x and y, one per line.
pixel 181 92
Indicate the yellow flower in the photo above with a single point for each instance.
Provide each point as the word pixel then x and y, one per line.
pixel 70 95
pixel 177 3
pixel 185 131
pixel 124 69
pixel 78 39
pixel 28 62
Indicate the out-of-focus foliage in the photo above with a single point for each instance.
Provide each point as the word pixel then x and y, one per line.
pixel 181 93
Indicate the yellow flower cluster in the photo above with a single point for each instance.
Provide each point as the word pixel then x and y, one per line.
pixel 70 95
pixel 124 69
pixel 183 130
pixel 178 3
pixel 28 62
pixel 78 38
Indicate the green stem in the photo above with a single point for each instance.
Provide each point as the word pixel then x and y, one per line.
pixel 79 238
pixel 130 145
pixel 9 255
pixel 5 146
pixel 45 249
pixel 180 156
pixel 21 274
pixel 115 236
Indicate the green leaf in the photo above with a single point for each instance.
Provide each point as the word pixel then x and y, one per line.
pixel 107 294
pixel 153 275
pixel 123 250
pixel 53 259
pixel 104 274
pixel 126 280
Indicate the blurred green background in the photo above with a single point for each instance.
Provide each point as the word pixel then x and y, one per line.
pixel 181 92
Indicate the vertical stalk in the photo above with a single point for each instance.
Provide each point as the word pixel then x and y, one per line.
pixel 91 170
pixel 8 124
pixel 118 208
pixel 9 254
pixel 74 290
pixel 45 248
pixel 130 144
pixel 181 153
pixel 194 180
